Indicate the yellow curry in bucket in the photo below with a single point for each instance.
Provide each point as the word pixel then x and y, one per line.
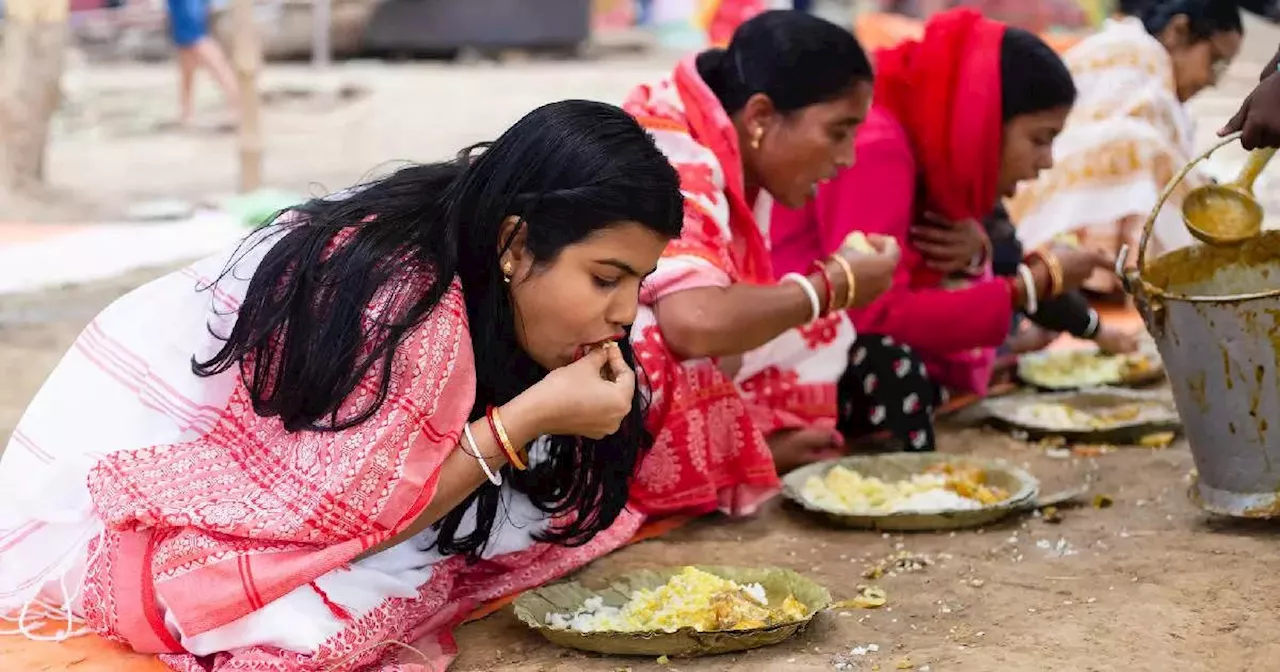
pixel 1211 271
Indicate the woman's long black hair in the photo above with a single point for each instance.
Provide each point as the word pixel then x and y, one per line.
pixel 567 170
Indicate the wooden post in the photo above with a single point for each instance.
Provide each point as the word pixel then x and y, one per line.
pixel 321 30
pixel 246 56
pixel 31 61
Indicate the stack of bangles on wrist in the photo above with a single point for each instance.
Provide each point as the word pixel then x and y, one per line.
pixel 519 459
pixel 820 308
pixel 1056 282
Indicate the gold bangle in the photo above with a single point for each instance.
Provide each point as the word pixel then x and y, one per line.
pixel 1054 265
pixel 500 433
pixel 849 277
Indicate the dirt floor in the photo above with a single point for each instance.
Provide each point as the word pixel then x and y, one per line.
pixel 1149 583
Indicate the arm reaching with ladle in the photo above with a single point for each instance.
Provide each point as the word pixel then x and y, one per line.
pixel 1258 119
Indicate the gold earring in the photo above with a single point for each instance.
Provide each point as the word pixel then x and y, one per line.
pixel 755 137
pixel 506 272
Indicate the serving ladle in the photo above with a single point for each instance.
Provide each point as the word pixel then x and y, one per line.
pixel 1227 214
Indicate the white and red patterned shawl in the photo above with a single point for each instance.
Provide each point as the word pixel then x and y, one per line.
pixel 214 529
pixel 243 512
pixel 229 522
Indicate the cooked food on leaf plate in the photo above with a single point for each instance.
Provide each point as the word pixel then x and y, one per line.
pixel 691 599
pixel 941 487
pixel 1088 367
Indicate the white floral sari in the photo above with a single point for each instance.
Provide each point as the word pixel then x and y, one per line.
pixel 1125 139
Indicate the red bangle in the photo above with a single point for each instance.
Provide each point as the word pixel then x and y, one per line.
pixel 829 288
pixel 1012 284
pixel 500 435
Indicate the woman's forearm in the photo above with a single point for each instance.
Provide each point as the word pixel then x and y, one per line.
pixel 461 473
pixel 1068 312
pixel 723 321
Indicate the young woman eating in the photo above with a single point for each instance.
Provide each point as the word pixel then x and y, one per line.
pixel 1130 132
pixel 372 414
pixel 742 368
pixel 959 119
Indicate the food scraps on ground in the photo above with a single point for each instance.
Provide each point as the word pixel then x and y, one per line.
pixel 693 598
pixel 942 487
pixel 1091 449
pixel 868 597
pixel 1157 440
pixel 900 562
pixel 1051 515
pixel 1050 442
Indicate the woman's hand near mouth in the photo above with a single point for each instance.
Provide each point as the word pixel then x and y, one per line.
pixel 588 398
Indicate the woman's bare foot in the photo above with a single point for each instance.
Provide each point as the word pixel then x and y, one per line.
pixel 794 448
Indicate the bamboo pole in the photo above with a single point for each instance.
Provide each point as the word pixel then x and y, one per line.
pixel 246 48
pixel 32 56
pixel 321 30
pixel 55 11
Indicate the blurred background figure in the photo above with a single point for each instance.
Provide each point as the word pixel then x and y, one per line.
pixel 1130 130
pixel 189 28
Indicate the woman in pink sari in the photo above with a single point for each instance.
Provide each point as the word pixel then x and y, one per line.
pixel 742 368
pixel 960 118
pixel 377 411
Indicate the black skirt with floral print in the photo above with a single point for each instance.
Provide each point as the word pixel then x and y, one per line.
pixel 886 389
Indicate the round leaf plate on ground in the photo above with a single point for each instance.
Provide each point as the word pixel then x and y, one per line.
pixel 1023 488
pixel 533 607
pixel 1031 369
pixel 1155 413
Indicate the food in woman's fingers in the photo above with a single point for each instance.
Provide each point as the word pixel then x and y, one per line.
pixel 614 366
pixel 859 242
pixel 887 245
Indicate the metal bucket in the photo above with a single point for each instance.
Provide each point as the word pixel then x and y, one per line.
pixel 1215 315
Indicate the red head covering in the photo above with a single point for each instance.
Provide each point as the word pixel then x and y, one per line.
pixel 945 91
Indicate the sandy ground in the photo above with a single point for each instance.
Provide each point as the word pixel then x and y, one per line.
pixel 1150 583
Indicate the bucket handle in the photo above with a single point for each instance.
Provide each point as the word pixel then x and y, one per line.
pixel 1164 196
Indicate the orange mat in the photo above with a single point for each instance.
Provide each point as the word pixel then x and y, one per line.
pixel 94 654
pixel 881 30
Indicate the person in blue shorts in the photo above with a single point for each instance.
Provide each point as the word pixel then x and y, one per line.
pixel 189 27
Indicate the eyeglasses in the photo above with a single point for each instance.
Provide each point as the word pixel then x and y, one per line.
pixel 1219 68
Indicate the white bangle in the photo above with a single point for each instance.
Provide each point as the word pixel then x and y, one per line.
pixel 810 291
pixel 488 473
pixel 1029 284
pixel 1092 330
